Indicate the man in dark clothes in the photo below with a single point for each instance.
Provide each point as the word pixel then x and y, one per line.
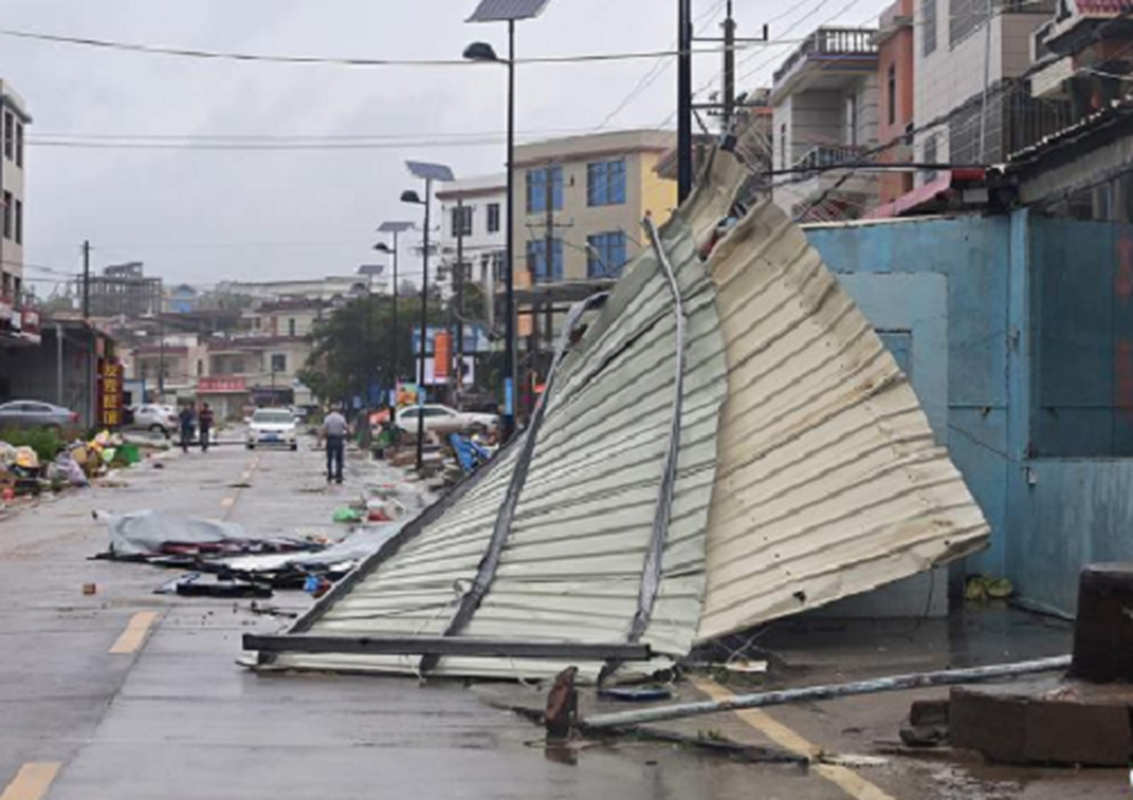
pixel 205 423
pixel 187 418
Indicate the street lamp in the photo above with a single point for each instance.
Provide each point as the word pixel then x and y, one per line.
pixel 394 228
pixel 510 12
pixel 369 270
pixel 428 173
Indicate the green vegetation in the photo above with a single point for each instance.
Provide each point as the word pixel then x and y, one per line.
pixel 44 441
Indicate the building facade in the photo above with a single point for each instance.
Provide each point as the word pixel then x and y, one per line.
pixel 13 121
pixel 825 113
pixel 896 76
pixel 473 220
pixel 972 106
pixel 580 202
pixel 322 289
pixel 123 290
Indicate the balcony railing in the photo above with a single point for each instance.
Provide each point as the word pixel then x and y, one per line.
pixel 825 156
pixel 829 41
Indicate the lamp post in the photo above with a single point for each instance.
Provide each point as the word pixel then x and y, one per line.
pixel 369 270
pixel 428 173
pixel 394 228
pixel 511 12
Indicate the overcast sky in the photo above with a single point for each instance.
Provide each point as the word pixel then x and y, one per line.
pixel 207 215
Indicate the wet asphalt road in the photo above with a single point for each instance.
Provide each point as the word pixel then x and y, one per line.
pixel 174 716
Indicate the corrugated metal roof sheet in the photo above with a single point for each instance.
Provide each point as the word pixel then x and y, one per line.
pixel 805 472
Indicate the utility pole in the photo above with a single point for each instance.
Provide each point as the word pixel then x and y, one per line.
pixel 729 69
pixel 549 263
pixel 424 332
pixel 86 280
pixel 684 99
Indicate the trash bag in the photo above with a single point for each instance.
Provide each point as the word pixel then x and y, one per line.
pixel 26 458
pixel 69 468
pixel 346 515
pixel 146 532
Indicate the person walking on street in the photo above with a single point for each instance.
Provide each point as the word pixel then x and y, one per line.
pixel 187 418
pixel 335 431
pixel 205 423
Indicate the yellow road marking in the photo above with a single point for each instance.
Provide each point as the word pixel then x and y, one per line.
pixel 32 781
pixel 135 633
pixel 844 778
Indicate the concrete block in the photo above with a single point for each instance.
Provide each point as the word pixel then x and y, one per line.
pixel 1103 633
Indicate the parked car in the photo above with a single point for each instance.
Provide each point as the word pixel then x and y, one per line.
pixel 444 420
pixel 34 414
pixel 159 419
pixel 272 427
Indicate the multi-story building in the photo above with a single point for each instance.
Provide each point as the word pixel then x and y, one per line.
pixel 583 199
pixel 972 107
pixel 329 288
pixel 472 220
pixel 825 101
pixel 13 119
pixel 896 72
pixel 123 290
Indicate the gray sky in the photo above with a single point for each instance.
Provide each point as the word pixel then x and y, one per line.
pixel 208 215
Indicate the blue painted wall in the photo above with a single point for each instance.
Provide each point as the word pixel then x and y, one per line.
pixel 971 255
pixel 1050 514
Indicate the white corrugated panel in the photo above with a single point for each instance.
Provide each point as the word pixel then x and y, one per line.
pixel 573 562
pixel 806 470
pixel 828 482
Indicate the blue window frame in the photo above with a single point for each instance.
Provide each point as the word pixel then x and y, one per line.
pixel 606 183
pixel 537 260
pixel 537 189
pixel 606 255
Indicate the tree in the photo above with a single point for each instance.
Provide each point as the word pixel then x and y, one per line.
pixel 357 342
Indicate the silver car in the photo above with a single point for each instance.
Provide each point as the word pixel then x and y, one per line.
pixel 34 414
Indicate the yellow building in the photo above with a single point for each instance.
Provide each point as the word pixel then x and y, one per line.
pixel 587 196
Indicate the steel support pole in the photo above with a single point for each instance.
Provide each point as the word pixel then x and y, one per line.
pixel 395 336
pixel 424 332
pixel 684 100
pixel 510 365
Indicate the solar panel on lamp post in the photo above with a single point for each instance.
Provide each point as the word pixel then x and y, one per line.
pixel 428 173
pixel 509 11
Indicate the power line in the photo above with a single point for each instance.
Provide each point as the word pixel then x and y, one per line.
pixel 330 61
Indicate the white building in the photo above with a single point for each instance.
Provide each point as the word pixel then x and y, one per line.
pixel 13 119
pixel 824 113
pixel 315 289
pixel 952 45
pixel 475 210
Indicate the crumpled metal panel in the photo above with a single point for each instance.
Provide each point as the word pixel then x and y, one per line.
pixel 572 565
pixel 806 471
pixel 828 482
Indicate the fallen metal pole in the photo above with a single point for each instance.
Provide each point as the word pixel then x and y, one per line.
pixel 625 719
pixel 447 646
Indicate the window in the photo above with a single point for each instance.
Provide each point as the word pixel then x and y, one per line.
pixel 291 327
pixel 928 32
pixel 537 189
pixel 8 214
pixel 930 156
pixel 537 261
pixel 606 183
pixel 965 17
pixel 606 255
pixel 493 218
pixel 891 89
pixel 19 227
pixel 462 221
pixel 783 146
pixel 9 135
pixel 19 144
pixel 278 362
pixel 851 120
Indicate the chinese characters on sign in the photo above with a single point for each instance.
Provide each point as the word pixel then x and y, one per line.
pixel 110 393
pixel 221 385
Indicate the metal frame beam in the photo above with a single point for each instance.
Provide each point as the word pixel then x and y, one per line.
pixel 465 647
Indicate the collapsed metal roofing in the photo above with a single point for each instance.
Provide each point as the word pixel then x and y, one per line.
pixel 727 442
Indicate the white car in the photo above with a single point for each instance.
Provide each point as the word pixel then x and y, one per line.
pixel 272 427
pixel 444 420
pixel 159 419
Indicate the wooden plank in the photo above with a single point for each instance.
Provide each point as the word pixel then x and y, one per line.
pixel 447 646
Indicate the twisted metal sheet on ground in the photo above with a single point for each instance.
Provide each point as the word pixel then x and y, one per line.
pixel 828 481
pixel 571 566
pixel 805 472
